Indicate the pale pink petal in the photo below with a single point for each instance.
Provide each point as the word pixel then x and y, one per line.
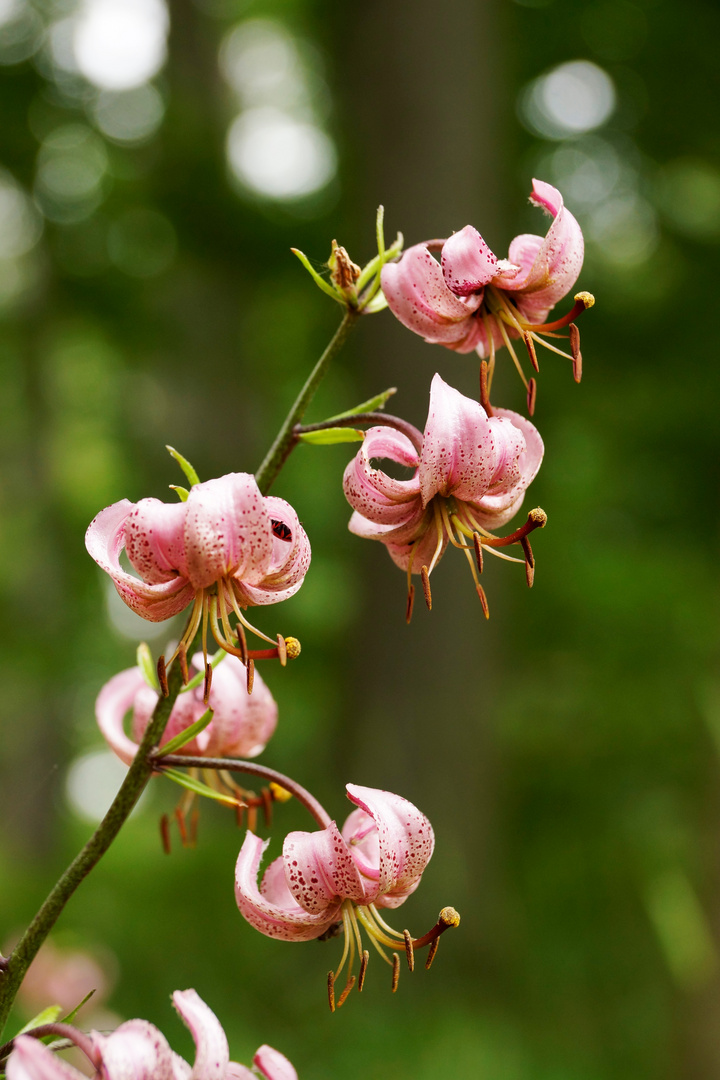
pixel 467 262
pixel 114 700
pixel 273 1065
pixel 419 553
pixel 274 912
pixel 405 839
pixel 31 1060
pixel 360 834
pixel 104 541
pixel 416 524
pixel 227 531
pixel 235 1071
pixel 242 723
pixel 155 540
pixel 135 1051
pixel 211 1047
pixel 289 561
pixel 502 503
pixel 548 269
pixel 417 295
pixel 458 453
pixel 319 869
pixel 374 494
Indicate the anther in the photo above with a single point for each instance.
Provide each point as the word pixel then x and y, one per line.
pixel 529 562
pixel 165 833
pixel 194 819
pixel 531 397
pixel 363 969
pixel 409 954
pixel 292 648
pixel 331 991
pixel 483 600
pixel 282 650
pixel 251 818
pixel 182 657
pixel 410 602
pixel 575 350
pixel 207 683
pixel 266 796
pixel 434 946
pixel 484 389
pixel 477 544
pixel 240 813
pixel 162 676
pixel 242 642
pixel 348 987
pixel 250 675
pixel 180 818
pixel 396 972
pixel 425 576
pixel 530 346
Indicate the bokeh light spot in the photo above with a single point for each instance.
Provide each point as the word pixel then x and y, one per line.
pixel 121 44
pixel 276 155
pixel 131 116
pixel 72 164
pixel 571 99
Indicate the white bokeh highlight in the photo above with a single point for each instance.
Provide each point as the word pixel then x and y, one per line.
pixel 572 99
pixel 120 44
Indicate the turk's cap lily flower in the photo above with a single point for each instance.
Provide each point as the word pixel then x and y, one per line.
pixel 139 1050
pixel 472 467
pixel 227 547
pixel 334 878
pixel 241 725
pixel 471 300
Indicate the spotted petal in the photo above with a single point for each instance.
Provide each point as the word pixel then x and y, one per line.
pixel 135 1051
pixel 31 1060
pixel 227 531
pixel 272 1065
pixel 467 262
pixel 289 559
pixel 319 869
pixel 458 453
pixel 375 495
pixel 211 1047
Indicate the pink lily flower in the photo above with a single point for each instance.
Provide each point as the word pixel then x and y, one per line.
pixel 472 468
pixel 332 880
pixel 226 548
pixel 241 723
pixel 471 300
pixel 139 1050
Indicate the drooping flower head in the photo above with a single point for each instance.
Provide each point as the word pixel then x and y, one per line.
pixel 334 881
pixel 472 466
pixel 471 300
pixel 139 1050
pixel 225 548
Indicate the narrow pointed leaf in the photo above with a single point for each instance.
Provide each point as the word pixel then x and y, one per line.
pixel 371 405
pixel 199 788
pixel 184 465
pixel 147 666
pixel 319 281
pixel 181 492
pixel 330 436
pixel 47 1016
pixel 73 1013
pixel 173 745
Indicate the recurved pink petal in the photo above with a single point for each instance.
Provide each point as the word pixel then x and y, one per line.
pixel 135 1051
pixel 422 551
pixel 467 262
pixel 418 296
pixel 273 1065
pixel 242 723
pixel 319 869
pixel 549 266
pixel 458 452
pixel 274 912
pixel 31 1060
pixel 104 540
pixel 114 700
pixel 289 561
pixel 227 531
pixel 155 540
pixel 211 1047
pixel 405 842
pixel 370 491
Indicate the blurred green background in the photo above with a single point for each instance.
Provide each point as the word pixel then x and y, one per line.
pixel 156 165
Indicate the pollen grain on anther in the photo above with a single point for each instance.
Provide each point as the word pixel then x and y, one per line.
pixel 425 577
pixel 483 600
pixel 162 676
pixel 267 800
pixel 396 972
pixel 363 969
pixel 182 657
pixel 348 987
pixel 180 818
pixel 331 990
pixel 529 562
pixel 434 946
pixel 410 603
pixel 477 544
pixel 575 350
pixel 282 650
pixel 165 833
pixel 207 683
pixel 250 675
pixel 531 396
pixel 409 951
pixel 530 346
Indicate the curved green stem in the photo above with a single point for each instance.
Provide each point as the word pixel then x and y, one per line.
pixel 13 972
pixel 286 439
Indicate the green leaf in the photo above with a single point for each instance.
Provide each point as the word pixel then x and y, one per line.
pixel 199 679
pixel 181 492
pixel 184 465
pixel 330 436
pixel 147 666
pixel 378 303
pixel 173 745
pixel 371 405
pixel 47 1016
pixel 73 1013
pixel 199 788
pixel 319 281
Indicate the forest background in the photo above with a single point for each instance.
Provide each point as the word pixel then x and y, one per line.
pixel 566 751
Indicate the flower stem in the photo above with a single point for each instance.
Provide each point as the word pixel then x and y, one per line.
pixel 250 768
pixel 13 971
pixel 286 438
